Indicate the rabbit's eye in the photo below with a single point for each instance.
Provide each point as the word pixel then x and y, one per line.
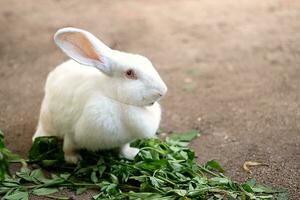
pixel 131 74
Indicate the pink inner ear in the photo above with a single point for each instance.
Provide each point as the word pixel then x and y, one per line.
pixel 81 44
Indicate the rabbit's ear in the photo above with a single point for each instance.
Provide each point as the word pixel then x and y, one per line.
pixel 84 48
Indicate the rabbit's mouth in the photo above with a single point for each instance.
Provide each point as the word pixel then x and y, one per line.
pixel 151 103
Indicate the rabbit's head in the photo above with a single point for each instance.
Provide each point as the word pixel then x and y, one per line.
pixel 131 78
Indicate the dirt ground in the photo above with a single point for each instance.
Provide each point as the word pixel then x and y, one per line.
pixel 232 69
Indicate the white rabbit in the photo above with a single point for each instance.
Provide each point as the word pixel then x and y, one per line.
pixel 104 100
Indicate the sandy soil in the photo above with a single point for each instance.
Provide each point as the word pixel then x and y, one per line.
pixel 232 68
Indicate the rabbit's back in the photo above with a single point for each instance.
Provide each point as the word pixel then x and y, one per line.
pixel 67 89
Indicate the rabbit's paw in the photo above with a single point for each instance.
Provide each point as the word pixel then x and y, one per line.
pixel 129 152
pixel 72 158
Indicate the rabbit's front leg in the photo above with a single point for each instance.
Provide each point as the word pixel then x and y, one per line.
pixel 129 152
pixel 70 153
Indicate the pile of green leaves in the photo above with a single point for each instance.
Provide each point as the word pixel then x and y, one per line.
pixel 162 170
pixel 6 157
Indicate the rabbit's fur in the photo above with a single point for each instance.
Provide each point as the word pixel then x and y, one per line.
pixel 93 104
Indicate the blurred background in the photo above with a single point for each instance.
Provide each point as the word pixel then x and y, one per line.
pixel 232 69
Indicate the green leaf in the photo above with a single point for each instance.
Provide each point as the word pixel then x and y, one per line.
pixel 139 178
pixel 262 189
pixel 251 182
pixel 44 191
pixel 38 175
pixel 247 187
pixel 146 155
pixel 101 170
pixel 54 181
pixel 80 190
pixel 46 148
pixel 179 192
pixel 17 195
pixel 25 174
pixel 149 196
pixel 219 181
pixel 65 175
pixel 109 188
pixel 5 157
pixel 212 164
pixel 97 196
pixel 10 183
pixel 1 140
pixel 154 181
pixel 200 180
pixel 94 177
pixel 265 197
pixel 114 179
pixel 153 165
pixel 48 163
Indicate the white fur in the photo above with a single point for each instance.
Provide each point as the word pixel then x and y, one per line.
pixel 94 110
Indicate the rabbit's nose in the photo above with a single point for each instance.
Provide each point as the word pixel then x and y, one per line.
pixel 163 91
